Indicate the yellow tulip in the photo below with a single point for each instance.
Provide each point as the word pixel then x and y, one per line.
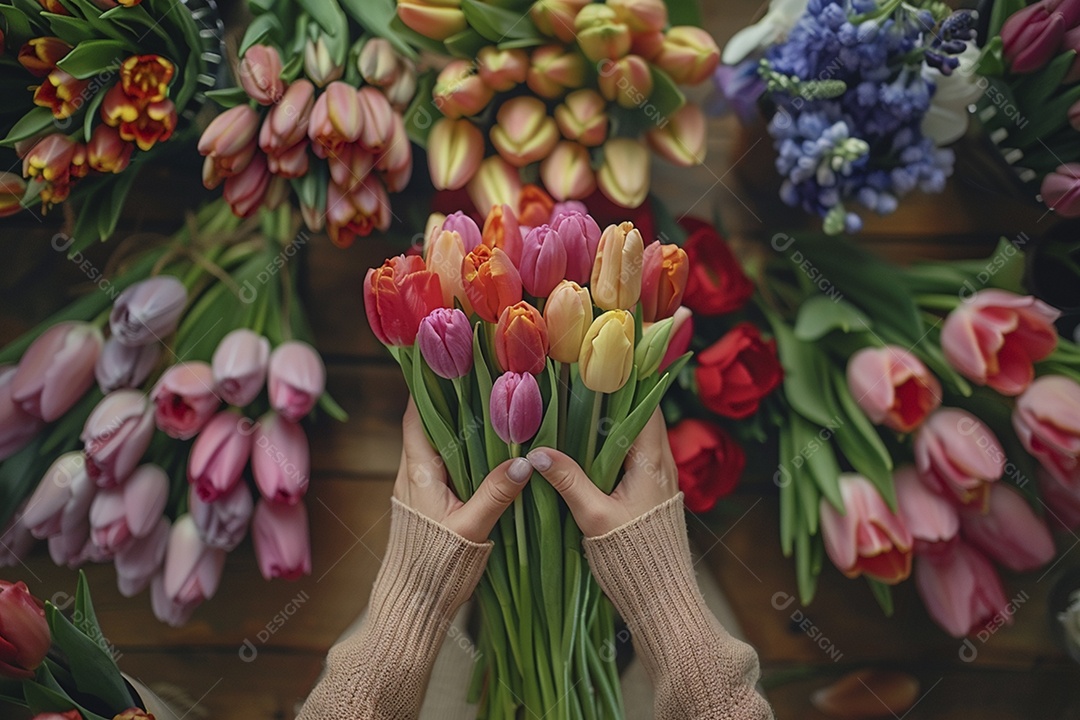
pixel 616 274
pixel 607 352
pixel 568 314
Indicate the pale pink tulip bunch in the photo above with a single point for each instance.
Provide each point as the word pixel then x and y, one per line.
pixel 356 135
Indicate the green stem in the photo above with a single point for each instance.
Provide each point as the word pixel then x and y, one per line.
pixel 591 433
pixel 937 302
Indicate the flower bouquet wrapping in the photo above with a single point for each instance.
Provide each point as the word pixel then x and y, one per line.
pixel 556 336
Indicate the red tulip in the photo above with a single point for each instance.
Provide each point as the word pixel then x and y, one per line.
pixel 737 371
pixel 57 369
pixel 397 296
pixel 543 260
pixel 116 435
pixel 1047 421
pixel 709 460
pixel 893 387
pixel 219 455
pixel 446 342
pixel 61 93
pixel 184 399
pixel 107 152
pixel 282 546
pixel 119 516
pixel 716 284
pixel 960 589
pixel 521 340
pixel 665 269
pixel 516 407
pixel 931 518
pixel 24 633
pixel 297 378
pixel 1032 35
pixel 868 538
pixel 39 55
pixel 1009 532
pixel 280 459
pixel 958 456
pixel 492 283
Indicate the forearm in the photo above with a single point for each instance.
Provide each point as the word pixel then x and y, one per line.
pixel 699 671
pixel 381 672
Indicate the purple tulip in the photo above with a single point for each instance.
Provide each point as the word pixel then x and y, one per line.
pixel 116 435
pixel 57 369
pixel 125 366
pixel 297 379
pixel 61 501
pixel 446 342
pixel 140 561
pixel 219 455
pixel 282 546
pixel 516 407
pixel 280 459
pixel 17 427
pixel 191 574
pixel 580 236
pixel 223 522
pixel 239 366
pixel 544 259
pixel 184 399
pixel 464 226
pixel 121 515
pixel 148 311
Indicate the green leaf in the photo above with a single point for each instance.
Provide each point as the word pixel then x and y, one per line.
pixel 860 442
pixel 804 367
pixel 422 114
pixel 228 97
pixel 16 26
pixel 93 668
pixel 440 431
pixel 820 315
pixel 804 562
pixel 466 44
pixel 91 115
pixel 683 12
pixel 94 57
pixel 330 406
pixel 812 443
pixel 33 123
pixel 328 14
pixel 666 96
pixel 789 501
pixel 883 594
pixel 1001 11
pixel 264 29
pixel 377 16
pixel 496 448
pixel 498 24
pixel 991 60
pixel 85 617
pixel 71 30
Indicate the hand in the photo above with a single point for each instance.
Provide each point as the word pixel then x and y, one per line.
pixel 422 485
pixel 651 479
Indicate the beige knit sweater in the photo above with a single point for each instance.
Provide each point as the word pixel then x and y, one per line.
pixel 699 670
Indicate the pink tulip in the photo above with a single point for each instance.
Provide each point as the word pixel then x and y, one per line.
pixel 960 589
pixel 116 435
pixel 280 459
pixel 995 336
pixel 61 501
pixel 148 311
pixel 24 633
pixel 958 456
pixel 1047 421
pixel 1032 36
pixel 335 119
pixel 286 125
pixel 893 387
pixel 446 342
pixel 931 518
pixel 1061 190
pixel 228 143
pixel 297 378
pixel 72 549
pixel 223 523
pixel 56 370
pixel 360 211
pixel 246 191
pixel 376 126
pixel 868 538
pixel 191 574
pixel 1062 502
pixel 394 161
pixel 280 534
pixel 580 236
pixel 17 427
pixel 682 332
pixel 516 407
pixel 567 171
pixel 350 167
pixel 138 562
pixel 465 227
pixel 1009 532
pixel 239 366
pixel 125 366
pixel 121 515
pixel 184 399
pixel 260 74
pixel 543 260
pixel 219 455
pixel 459 91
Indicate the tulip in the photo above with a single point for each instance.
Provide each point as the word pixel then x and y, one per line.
pixel 246 191
pixel 501 230
pixel 1061 190
pixel 61 93
pixel 709 462
pixel 616 273
pixel 443 254
pixel 219 455
pixel 319 63
pixel 56 370
pixel 1033 35
pixel 1009 532
pixel 931 518
pixel 280 534
pixel 689 55
pixel 521 339
pixel 492 283
pixel 446 342
pixel 62 499
pixel 297 378
pixel 395 161
pixel 555 18
pixel 465 227
pixel 995 337
pixel 239 366
pixel 49 159
pixel 229 143
pixel 223 523
pixel 146 78
pixel 502 70
pixel 652 349
pixel 116 435
pixel 555 70
pixel 543 260
pixel 152 124
pixel 1047 421
pixel 120 515
pixel 665 270
pixel 495 183
pixel 125 366
pixel 958 456
pixel 24 634
pixel 535 207
pixel 137 563
pixel 148 311
pixel 402 91
pixel 582 117
pixel 607 352
pixel 568 315
pixel 435 19
pixel 459 91
pixel 524 133
pixel 641 15
pixel 581 237
pixel 601 34
pixel 681 141
pixel 106 152
pixel 378 63
pixel 682 332
pixel 455 151
pixel 17 427
pixel 191 574
pixel 627 81
pixel 359 211
pixel 893 387
pixel 39 55
pixel 868 537
pixel 286 125
pixel 280 459
pixel 624 176
pixel 12 189
pixel 376 119
pixel 567 171
pixel 260 74
pixel 397 296
pixel 335 119
pixel 516 407
pixel 960 589
pixel 349 169
pixel 184 399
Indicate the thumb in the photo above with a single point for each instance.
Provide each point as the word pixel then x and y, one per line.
pixel 586 501
pixel 475 519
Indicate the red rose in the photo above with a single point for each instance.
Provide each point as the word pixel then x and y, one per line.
pixel 736 371
pixel 709 461
pixel 717 284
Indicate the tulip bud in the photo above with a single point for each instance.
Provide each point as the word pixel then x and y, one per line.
pixel 120 515
pixel 116 435
pixel 444 252
pixel 516 407
pixel 535 207
pixel 260 74
pixel 229 143
pixel 555 18
pixel 124 366
pixel 191 574
pixel 57 369
pixel 184 399
pixel 39 55
pixel 524 133
pixel 867 538
pixel 502 70
pixel 581 237
pixel 280 535
pixel 465 227
pixel 501 230
pixel 616 274
pixel 335 119
pixel 652 349
pixel 12 189
pixel 1031 36
pixel 607 352
pixel 958 456
pixel 554 70
pixel 247 191
pixel 446 342
pixel 403 90
pixel 219 455
pixel 497 182
pixel 286 124
pixel 1046 421
pixel 681 335
pixel 239 366
pixel 568 315
pixel 893 387
pixel 377 119
pixel 138 563
pixel 582 116
pixel 106 152
pixel 17 427
pixel 24 634
pixel 296 379
pixel 357 211
pixel 961 590
pixel 1061 192
pixel 148 311
pixel 61 500
pixel 521 340
pixel 397 296
pixel 931 518
pixel 681 141
pixel 665 270
pixel 627 81
pixel 641 15
pixel 435 19
pixel 459 91
pixel 1009 532
pixel 543 261
pixel 491 282
pixel 49 159
pixel 223 523
pixel 378 63
pixel 455 150
pixel 567 172
pixel 689 55
pixel 624 176
pixel 601 35
pixel 280 459
pixel 319 64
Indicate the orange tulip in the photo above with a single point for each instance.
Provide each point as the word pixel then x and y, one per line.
pixel 501 231
pixel 534 206
pixel 146 78
pixel 398 296
pixel 39 55
pixel 492 283
pixel 61 93
pixel 665 270
pixel 521 339
pixel 106 152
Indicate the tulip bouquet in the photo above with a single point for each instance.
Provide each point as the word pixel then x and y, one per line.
pixel 557 337
pixel 328 122
pixel 109 83
pixel 570 92
pixel 139 442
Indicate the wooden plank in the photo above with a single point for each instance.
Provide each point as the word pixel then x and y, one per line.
pixel 369 443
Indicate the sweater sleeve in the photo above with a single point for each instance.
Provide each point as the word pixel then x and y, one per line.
pixel 699 671
pixel 381 671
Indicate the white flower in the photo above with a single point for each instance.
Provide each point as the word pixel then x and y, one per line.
pixel 947 119
pixel 782 16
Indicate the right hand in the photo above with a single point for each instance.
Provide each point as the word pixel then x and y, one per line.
pixel 651 479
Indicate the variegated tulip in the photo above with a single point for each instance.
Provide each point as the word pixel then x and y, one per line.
pixel 435 19
pixel 443 254
pixel 116 435
pixel 496 182
pixel 681 140
pixel 601 34
pixel 582 116
pixel 106 152
pixel 12 189
pixel 455 150
pixel 286 124
pixel 492 283
pixel 616 274
pixel 229 143
pixel 641 15
pixel 459 91
pixel 607 352
pixel 49 160
pixel 246 191
pixel 319 63
pixel 524 132
pixel 395 160
pixel 379 63
pixel 567 172
pixel 959 456
pixel 624 176
pixel 502 70
pixel 555 69
pixel 146 78
pixel 626 81
pixel 568 314
pixel 156 123
pixel 61 93
pixel 260 74
pixel 555 18
pixel 39 55
pixel 516 407
pixel 893 387
pixel 335 119
pixel 360 211
pixel 397 296
pixel 184 399
pixel 501 230
pixel 377 119
pixel 689 54
pixel 446 342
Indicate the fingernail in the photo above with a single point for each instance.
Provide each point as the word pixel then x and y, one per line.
pixel 540 460
pixel 519 470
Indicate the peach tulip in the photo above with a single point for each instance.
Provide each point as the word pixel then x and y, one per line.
pixel 616 273
pixel 665 270
pixel 624 176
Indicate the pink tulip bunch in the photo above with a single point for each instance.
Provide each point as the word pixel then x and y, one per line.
pixel 307 128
